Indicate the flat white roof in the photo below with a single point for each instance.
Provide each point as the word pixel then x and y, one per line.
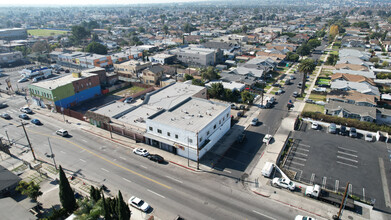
pixel 113 109
pixel 138 116
pixel 57 82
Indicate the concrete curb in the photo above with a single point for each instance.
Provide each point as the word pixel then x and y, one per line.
pixel 107 138
pixel 267 196
pixel 184 166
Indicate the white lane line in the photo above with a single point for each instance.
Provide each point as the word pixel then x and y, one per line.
pixel 344 158
pixel 84 141
pixel 62 152
pixel 306 150
pixel 83 160
pixel 299 158
pixel 300 153
pixel 312 178
pixel 387 198
pixel 347 154
pixel 324 182
pixel 304 145
pixel 300 164
pixel 174 179
pixel 127 180
pixel 114 159
pixel 293 168
pixel 143 166
pixel 263 215
pixel 336 185
pixel 347 149
pixel 51 189
pixel 104 169
pixel 123 158
pixel 156 193
pixel 347 164
pixel 227 171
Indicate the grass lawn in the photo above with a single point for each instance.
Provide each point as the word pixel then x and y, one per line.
pixel 129 91
pixel 318 97
pixel 323 81
pixel 44 32
pixel 313 108
pixel 334 52
pixel 267 87
pixel 275 89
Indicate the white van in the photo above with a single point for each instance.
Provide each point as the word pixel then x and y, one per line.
pixel 267 169
pixel 62 132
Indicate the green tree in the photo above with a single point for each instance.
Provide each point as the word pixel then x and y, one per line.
pixel 303 50
pixel 209 73
pixel 40 47
pixel 188 77
pixel 216 91
pixel 385 64
pixel 247 97
pixel 313 43
pixel 187 28
pixel 197 82
pixel 94 194
pixel 306 66
pixel 95 47
pixel 79 33
pixel 165 29
pixel 25 50
pixel 141 29
pixel 31 189
pixel 293 57
pixel 122 208
pixel 67 197
pixel 107 214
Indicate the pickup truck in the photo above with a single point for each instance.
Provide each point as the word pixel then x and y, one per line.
pixel 327 196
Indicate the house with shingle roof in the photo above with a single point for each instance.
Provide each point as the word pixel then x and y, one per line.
pixel 368 74
pixel 352 78
pixel 352 97
pixel 359 87
pixel 350 66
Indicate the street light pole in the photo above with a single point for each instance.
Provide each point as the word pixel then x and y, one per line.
pixel 6 133
pixel 188 153
pixel 52 155
pixel 28 140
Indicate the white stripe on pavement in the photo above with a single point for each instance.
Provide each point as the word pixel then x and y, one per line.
pixel 300 164
pixel 127 180
pixel 347 164
pixel 83 160
pixel 347 149
pixel 156 194
pixel 300 153
pixel 227 171
pixel 123 158
pixel 264 215
pixel 344 158
pixel 143 166
pixel 174 179
pixel 104 169
pixel 62 152
pixel 347 154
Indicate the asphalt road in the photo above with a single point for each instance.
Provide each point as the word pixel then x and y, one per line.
pixel 241 158
pixel 169 189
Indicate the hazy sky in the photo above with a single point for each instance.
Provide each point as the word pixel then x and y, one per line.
pixel 86 2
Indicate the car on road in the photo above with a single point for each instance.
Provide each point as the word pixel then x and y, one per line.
pixel 284 183
pixel 3 105
pixel 369 137
pixel 343 131
pixel 36 121
pixel 333 128
pixel 141 152
pixel 67 71
pixel 234 107
pixel 139 203
pixel 254 122
pixel 24 116
pixel 291 77
pixel 300 217
pixel 276 85
pixel 353 132
pixel 299 85
pixel 156 158
pixel 62 132
pixel 26 110
pixel 5 116
pixel 295 94
pixel 267 139
pixel 315 125
pixel 279 92
pixel 128 100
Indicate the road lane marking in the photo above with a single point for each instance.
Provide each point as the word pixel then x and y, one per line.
pixel 127 180
pixel 156 193
pixel 312 179
pixel 62 152
pixel 227 171
pixel 83 160
pixel 352 155
pixel 347 149
pixel 306 150
pixel 143 166
pixel 300 153
pixel 174 179
pixel 344 158
pixel 103 158
pixel 304 145
pixel 336 185
pixel 50 189
pixel 299 158
pixel 300 164
pixel 123 158
pixel 324 182
pixel 84 141
pixel 347 164
pixel 384 183
pixel 264 215
pixel 104 169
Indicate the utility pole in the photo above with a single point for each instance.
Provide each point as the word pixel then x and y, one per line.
pixel 52 155
pixel 343 201
pixel 9 142
pixel 188 153
pixel 198 153
pixel 28 140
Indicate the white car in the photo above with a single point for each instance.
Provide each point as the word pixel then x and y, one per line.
pixel 254 122
pixel 284 183
pixel 24 79
pixel 369 137
pixel 267 138
pixel 141 152
pixel 300 217
pixel 139 204
pixel 315 126
pixel 26 110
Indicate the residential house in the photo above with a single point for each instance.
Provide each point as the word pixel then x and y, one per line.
pixel 350 66
pixel 256 67
pixel 359 87
pixel 198 56
pixel 153 75
pixel 228 85
pixel 130 70
pixel 162 58
pixel 8 182
pixel 367 74
pixel 352 78
pixel 352 97
pixel 13 34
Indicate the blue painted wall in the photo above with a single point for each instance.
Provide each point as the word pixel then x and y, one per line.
pixel 79 97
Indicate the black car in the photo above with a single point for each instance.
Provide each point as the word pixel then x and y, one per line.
pixel 343 131
pixel 156 158
pixel 241 138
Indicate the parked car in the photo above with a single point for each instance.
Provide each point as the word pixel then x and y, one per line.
pixel 353 132
pixel 267 139
pixel 343 131
pixel 333 128
pixel 138 204
pixel 3 105
pixel 156 158
pixel 315 125
pixel 279 92
pixel 234 107
pixel 36 121
pixel 369 137
pixel 128 100
pixel 299 85
pixel 241 138
pixel 141 152
pixel 24 79
pixel 26 110
pixel 287 82
pixel 242 107
pixel 300 217
pixel 239 114
pixel 5 116
pixel 62 132
pixel 24 116
pixel 284 183
pixel 295 94
pixel 291 77
pixel 67 71
pixel 310 101
pixel 276 85
pixel 254 122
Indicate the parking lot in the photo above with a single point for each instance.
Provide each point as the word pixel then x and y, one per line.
pixel 332 160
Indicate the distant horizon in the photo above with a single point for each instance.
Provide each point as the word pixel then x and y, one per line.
pixel 40 3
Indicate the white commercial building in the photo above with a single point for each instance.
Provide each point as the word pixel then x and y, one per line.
pixel 190 128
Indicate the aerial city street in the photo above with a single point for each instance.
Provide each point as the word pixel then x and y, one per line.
pixel 186 109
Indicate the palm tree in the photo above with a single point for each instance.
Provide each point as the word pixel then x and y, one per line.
pixel 306 66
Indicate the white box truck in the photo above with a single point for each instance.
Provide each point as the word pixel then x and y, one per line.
pixel 267 169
